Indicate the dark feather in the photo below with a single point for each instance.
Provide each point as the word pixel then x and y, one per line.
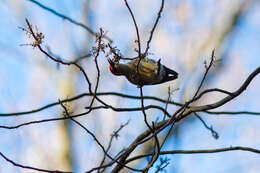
pixel 111 62
pixel 159 66
pixel 170 75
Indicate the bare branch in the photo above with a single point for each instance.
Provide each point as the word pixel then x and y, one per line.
pixel 87 112
pixel 114 135
pixel 67 114
pixel 134 144
pixel 64 17
pixel 167 101
pixel 78 59
pixel 57 60
pixel 143 110
pixel 136 28
pixel 157 144
pixel 155 154
pixel 213 132
pixel 227 98
pixel 253 150
pixel 205 74
pixel 88 94
pixel 232 112
pixel 212 90
pixel 180 114
pixel 153 29
pixel 29 167
pixel 37 43
pixel 99 48
pixel 131 97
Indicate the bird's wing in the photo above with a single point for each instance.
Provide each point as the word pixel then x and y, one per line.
pixel 147 67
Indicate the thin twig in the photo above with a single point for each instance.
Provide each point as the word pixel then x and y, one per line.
pixel 153 29
pixel 64 17
pixel 88 94
pixel 146 136
pixel 37 44
pixel 136 29
pixel 232 112
pixel 213 132
pixel 143 110
pixel 114 51
pixel 155 157
pixel 253 150
pixel 180 114
pixel 78 59
pixel 114 135
pixel 205 74
pixel 167 101
pixel 170 130
pixel 67 114
pixel 211 90
pixel 99 48
pixel 165 123
pixel 155 154
pixel 130 97
pixel 167 135
pixel 57 60
pixel 29 167
pixel 85 113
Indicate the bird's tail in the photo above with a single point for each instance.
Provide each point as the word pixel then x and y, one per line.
pixel 170 74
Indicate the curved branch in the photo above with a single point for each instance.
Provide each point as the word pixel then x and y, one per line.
pixel 130 97
pixel 114 135
pixel 212 90
pixel 157 144
pixel 210 128
pixel 136 29
pixel 205 74
pixel 29 167
pixel 226 99
pixel 64 17
pixel 38 40
pixel 57 60
pixel 181 113
pixel 153 29
pixel 143 110
pixel 232 112
pixel 218 150
pixel 85 113
pixel 88 94
pixel 67 114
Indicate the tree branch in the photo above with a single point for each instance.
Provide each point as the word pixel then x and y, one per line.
pixel 181 114
pixel 240 148
pixel 136 29
pixel 88 94
pixel 213 132
pixel 64 17
pixel 153 29
pixel 29 167
pixel 87 112
pixel 114 135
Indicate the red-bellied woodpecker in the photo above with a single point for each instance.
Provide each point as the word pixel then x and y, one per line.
pixel 149 71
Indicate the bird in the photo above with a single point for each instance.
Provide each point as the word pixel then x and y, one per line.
pixel 149 72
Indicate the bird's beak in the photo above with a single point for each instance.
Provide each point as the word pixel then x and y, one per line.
pixel 111 62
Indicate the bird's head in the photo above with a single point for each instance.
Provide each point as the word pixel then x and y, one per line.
pixel 114 67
